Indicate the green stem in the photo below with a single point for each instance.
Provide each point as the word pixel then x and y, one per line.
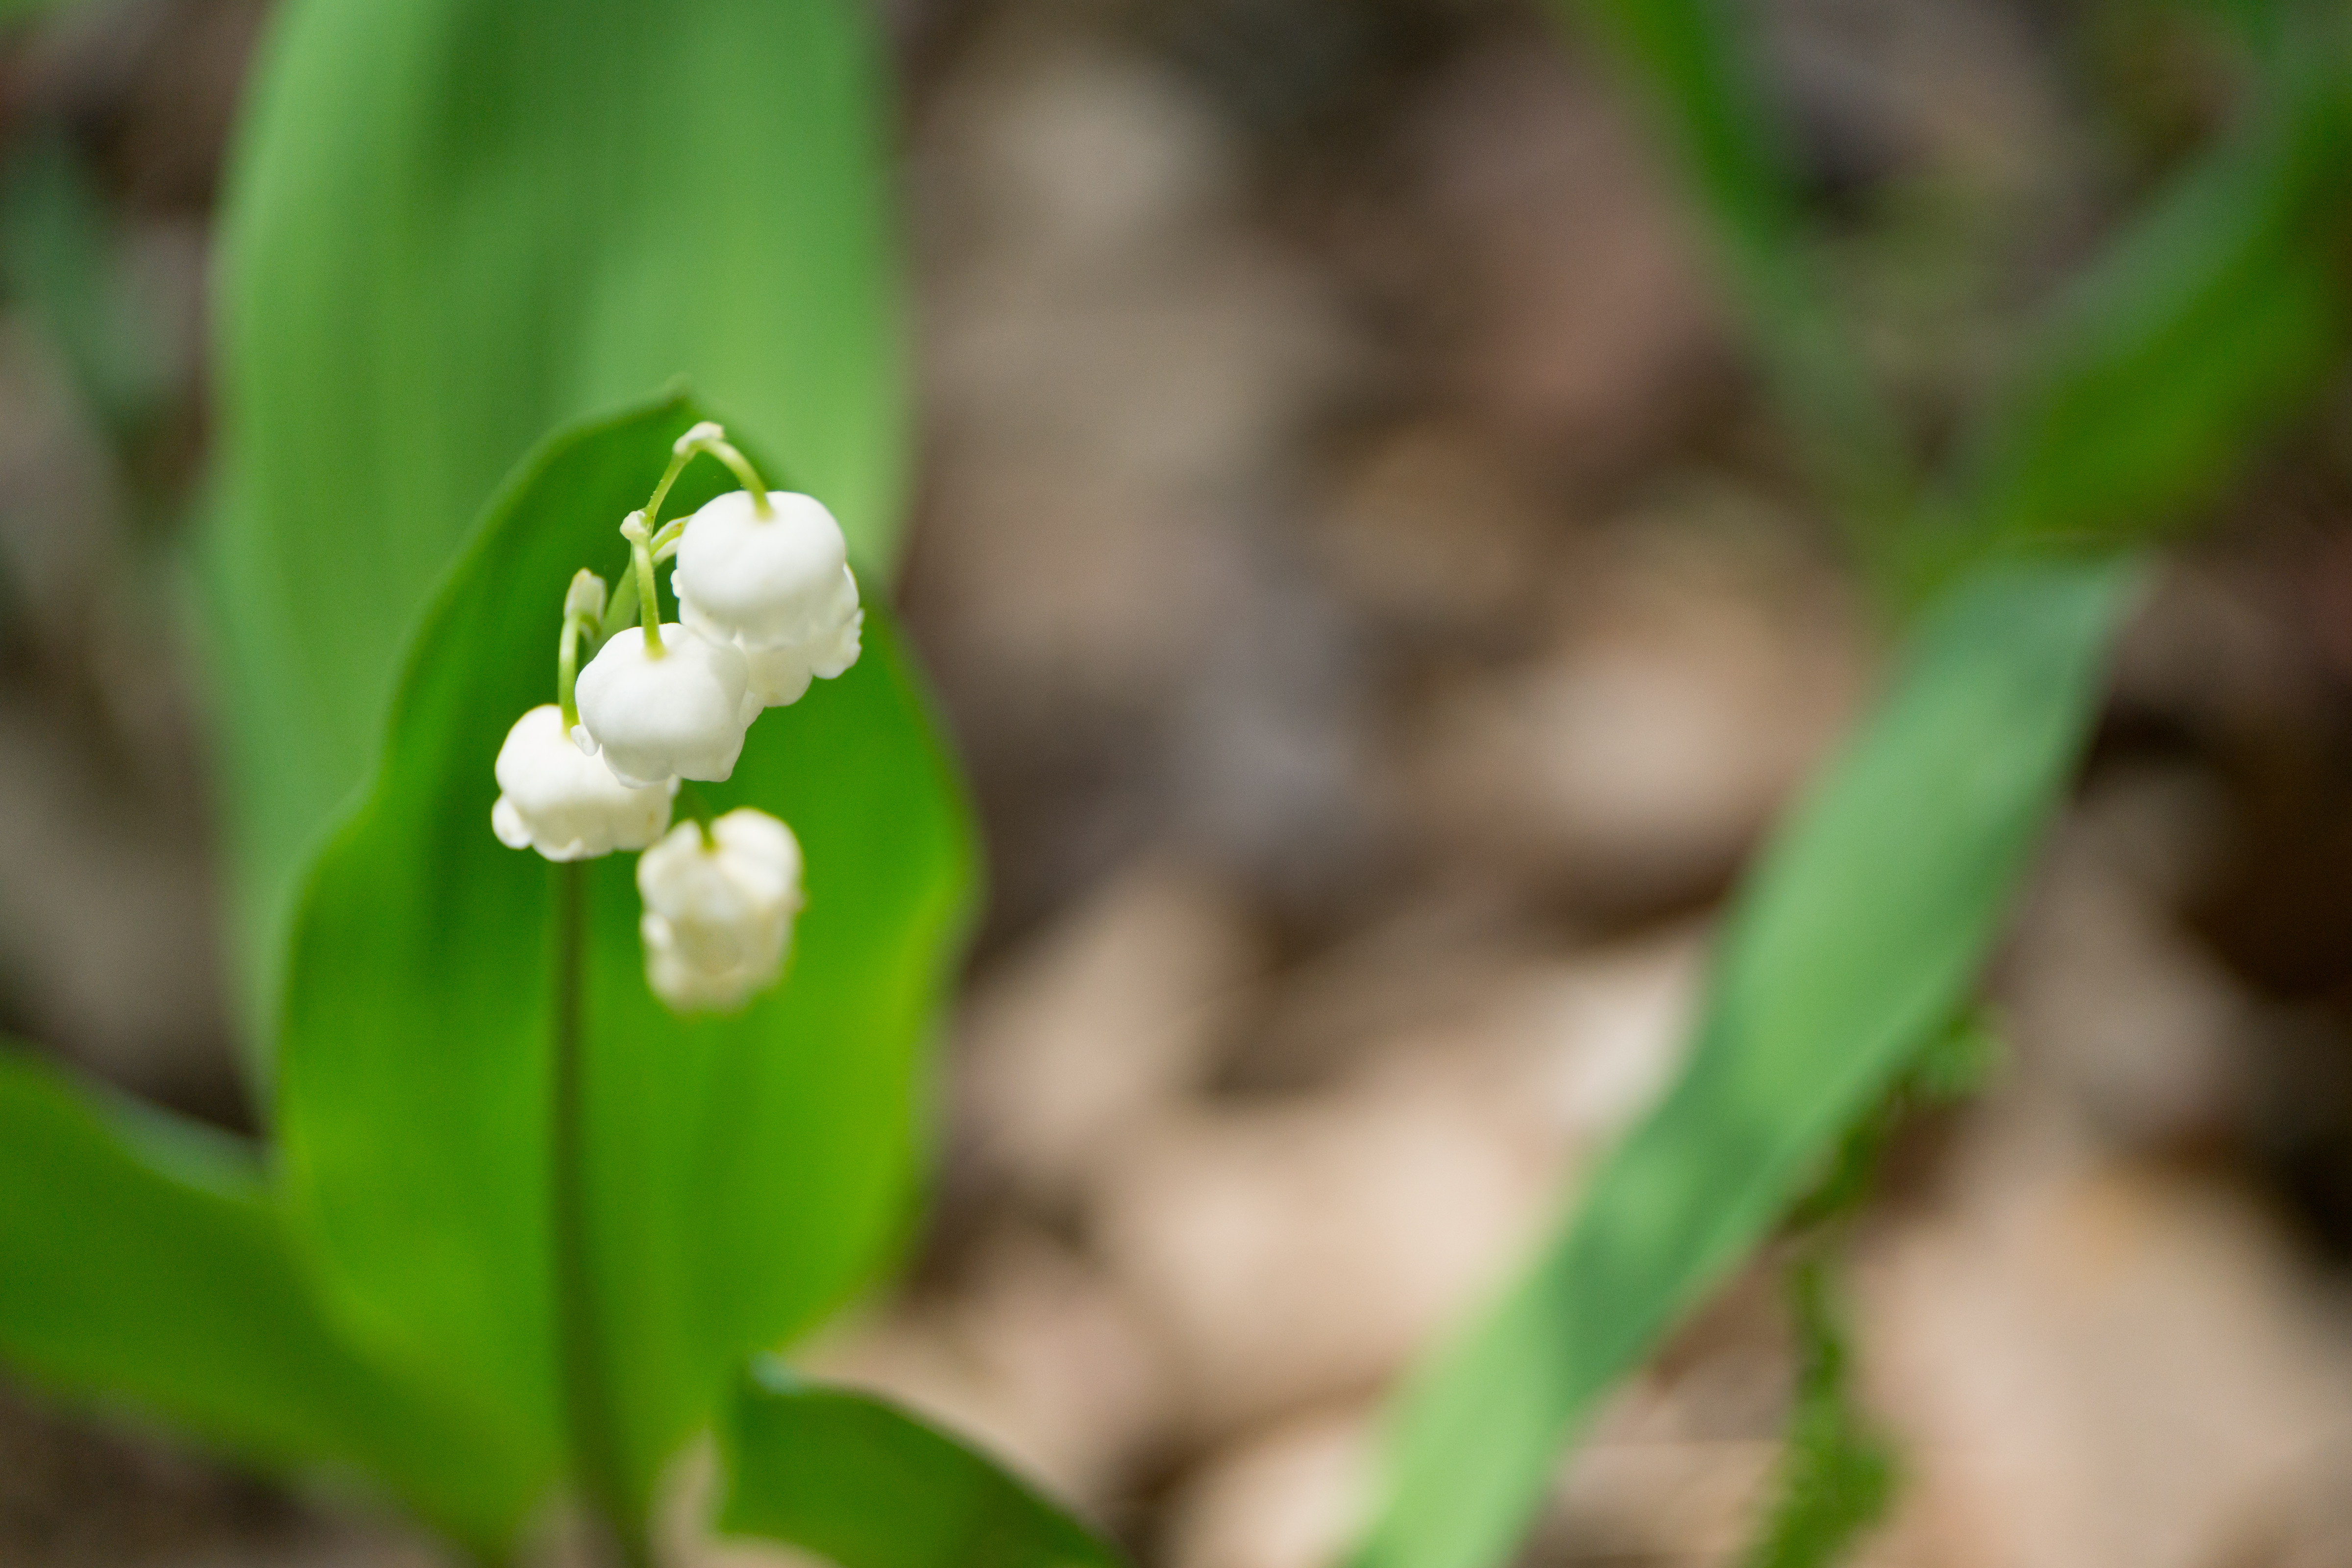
pixel 710 437
pixel 745 474
pixel 690 801
pixel 641 558
pixel 595 1444
pixel 679 455
pixel 622 608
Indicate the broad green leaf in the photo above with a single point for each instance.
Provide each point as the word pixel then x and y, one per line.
pixel 865 1484
pixel 455 224
pixel 144 1266
pixel 1861 932
pixel 744 1174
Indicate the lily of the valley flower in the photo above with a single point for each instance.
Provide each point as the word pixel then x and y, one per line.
pixel 774 581
pixel 651 717
pixel 719 910
pixel 565 805
pixel 779 676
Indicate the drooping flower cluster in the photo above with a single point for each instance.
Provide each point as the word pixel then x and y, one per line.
pixel 766 603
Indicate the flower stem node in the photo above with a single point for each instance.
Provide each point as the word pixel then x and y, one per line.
pixel 778 587
pixel 566 805
pixel 651 717
pixel 719 910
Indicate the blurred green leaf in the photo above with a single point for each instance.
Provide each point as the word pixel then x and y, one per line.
pixel 1837 1475
pixel 742 1174
pixel 1694 60
pixel 2201 329
pixel 20 12
pixel 1861 931
pixel 1957 1061
pixel 143 1264
pixel 867 1486
pixel 455 226
pixel 56 258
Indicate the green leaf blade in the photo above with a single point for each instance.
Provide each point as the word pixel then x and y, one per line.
pixel 1859 934
pixel 142 1264
pixel 869 1486
pixel 2202 329
pixel 453 227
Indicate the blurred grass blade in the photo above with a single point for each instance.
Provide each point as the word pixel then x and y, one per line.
pixel 1697 63
pixel 22 13
pixel 454 226
pixel 1837 1476
pixel 2209 321
pixel 1860 934
pixel 864 1485
pixel 142 1264
pixel 2263 26
pixel 59 259
pixel 743 1174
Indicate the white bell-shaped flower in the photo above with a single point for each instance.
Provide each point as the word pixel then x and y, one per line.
pixel 719 911
pixel 778 675
pixel 681 715
pixel 565 805
pixel 779 585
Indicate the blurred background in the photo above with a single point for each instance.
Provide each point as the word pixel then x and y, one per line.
pixel 1378 617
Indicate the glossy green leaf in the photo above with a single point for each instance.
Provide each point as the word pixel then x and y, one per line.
pixel 1862 931
pixel 865 1484
pixel 455 225
pixel 743 1174
pixel 144 1265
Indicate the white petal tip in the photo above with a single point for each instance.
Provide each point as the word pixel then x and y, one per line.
pixel 508 824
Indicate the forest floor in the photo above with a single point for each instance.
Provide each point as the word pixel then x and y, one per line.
pixel 1380 620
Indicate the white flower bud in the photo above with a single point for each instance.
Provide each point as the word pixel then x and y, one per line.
pixel 681 714
pixel 719 914
pixel 779 583
pixel 566 805
pixel 585 597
